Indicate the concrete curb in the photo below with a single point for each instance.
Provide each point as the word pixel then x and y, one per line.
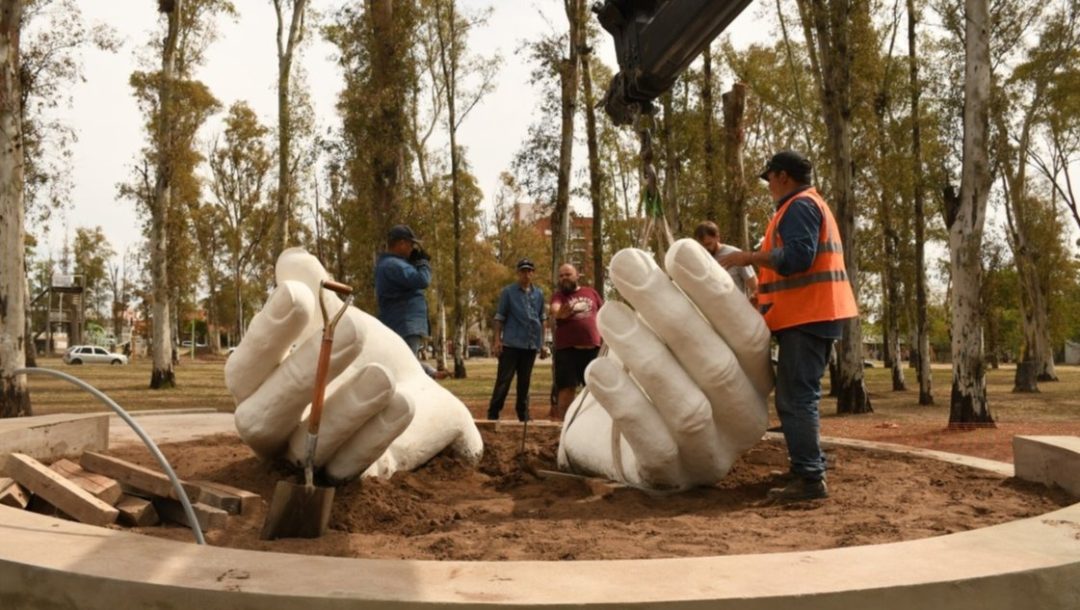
pixel 1032 563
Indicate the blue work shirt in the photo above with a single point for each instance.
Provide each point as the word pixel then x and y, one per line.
pixel 399 288
pixel 799 230
pixel 522 313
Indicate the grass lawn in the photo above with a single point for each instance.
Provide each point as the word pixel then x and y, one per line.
pixel 897 416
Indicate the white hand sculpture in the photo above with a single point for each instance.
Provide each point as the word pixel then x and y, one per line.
pixel 699 374
pixel 382 412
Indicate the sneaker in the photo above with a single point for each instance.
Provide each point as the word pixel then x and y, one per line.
pixel 800 489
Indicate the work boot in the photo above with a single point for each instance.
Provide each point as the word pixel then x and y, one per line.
pixel 800 489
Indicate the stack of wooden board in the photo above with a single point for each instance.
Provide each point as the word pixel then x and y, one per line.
pixel 102 490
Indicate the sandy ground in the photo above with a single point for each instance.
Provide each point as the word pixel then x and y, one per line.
pixel 499 511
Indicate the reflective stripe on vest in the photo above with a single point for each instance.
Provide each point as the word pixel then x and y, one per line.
pixel 821 293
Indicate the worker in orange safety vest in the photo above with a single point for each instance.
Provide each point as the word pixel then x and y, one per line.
pixel 805 296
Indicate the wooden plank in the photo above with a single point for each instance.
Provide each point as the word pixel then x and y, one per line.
pixel 58 491
pixel 209 518
pixel 101 487
pixel 232 500
pixel 12 494
pixel 137 512
pixel 133 475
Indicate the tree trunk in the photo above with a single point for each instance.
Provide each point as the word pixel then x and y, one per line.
pixel 922 332
pixel 162 375
pixel 568 79
pixel 734 104
pixel 389 120
pixel 285 49
pixel 966 217
pixel 14 395
pixel 712 175
pixel 672 206
pixel 832 34
pixel 596 178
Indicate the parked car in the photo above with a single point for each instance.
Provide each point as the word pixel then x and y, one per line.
pixel 477 351
pixel 92 354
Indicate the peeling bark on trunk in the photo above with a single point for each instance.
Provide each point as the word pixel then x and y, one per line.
pixel 966 216
pixel 734 105
pixel 14 395
pixel 286 46
pixel 162 375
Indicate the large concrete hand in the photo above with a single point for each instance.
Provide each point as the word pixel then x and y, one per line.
pixel 683 391
pixel 382 413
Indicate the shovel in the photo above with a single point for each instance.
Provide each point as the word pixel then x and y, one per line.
pixel 303 510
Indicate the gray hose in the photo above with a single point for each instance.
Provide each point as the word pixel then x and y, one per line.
pixel 177 487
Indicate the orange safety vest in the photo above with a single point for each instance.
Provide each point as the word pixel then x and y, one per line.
pixel 822 293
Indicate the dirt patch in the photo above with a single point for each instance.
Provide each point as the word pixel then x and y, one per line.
pixel 449 510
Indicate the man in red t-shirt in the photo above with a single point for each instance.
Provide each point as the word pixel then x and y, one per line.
pixel 577 339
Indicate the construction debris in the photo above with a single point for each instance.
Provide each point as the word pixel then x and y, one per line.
pixel 102 490
pixel 65 495
pixel 12 494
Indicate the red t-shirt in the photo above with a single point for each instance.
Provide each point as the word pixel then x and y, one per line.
pixel 580 328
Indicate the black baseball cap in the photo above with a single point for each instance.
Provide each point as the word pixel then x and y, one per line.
pixel 796 166
pixel 526 264
pixel 400 232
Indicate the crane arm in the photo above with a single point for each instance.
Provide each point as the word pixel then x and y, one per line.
pixel 655 40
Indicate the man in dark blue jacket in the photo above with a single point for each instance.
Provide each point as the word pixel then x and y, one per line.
pixel 402 274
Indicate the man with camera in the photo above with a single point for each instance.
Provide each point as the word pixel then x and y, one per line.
pixel 402 273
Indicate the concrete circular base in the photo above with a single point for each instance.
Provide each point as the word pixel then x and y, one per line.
pixel 1033 563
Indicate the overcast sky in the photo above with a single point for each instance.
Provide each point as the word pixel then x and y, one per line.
pixel 242 64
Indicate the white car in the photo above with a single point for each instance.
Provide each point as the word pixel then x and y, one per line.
pixel 92 354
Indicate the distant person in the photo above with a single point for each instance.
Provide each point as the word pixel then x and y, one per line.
pixel 804 296
pixel 577 338
pixel 402 273
pixel 708 235
pixel 519 335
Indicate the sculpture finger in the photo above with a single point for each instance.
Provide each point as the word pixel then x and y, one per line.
pixel 271 334
pixel 682 405
pixel 367 448
pixel 656 453
pixel 726 308
pixel 704 355
pixel 269 416
pixel 357 396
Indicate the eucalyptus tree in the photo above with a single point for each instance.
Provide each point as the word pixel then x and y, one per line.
pixel 375 46
pixel 174 106
pixel 832 30
pixel 922 331
pixel 92 251
pixel 965 217
pixel 1029 88
pixel 14 395
pixel 456 67
pixel 240 163
pixel 567 68
pixel 291 28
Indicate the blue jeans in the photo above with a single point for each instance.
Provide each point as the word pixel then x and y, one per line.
pixel 414 342
pixel 802 361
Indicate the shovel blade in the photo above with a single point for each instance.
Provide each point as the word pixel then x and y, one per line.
pixel 298 511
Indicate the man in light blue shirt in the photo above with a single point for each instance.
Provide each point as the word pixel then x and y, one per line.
pixel 520 320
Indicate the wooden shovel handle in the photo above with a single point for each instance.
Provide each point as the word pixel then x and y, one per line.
pixel 321 373
pixel 338 287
